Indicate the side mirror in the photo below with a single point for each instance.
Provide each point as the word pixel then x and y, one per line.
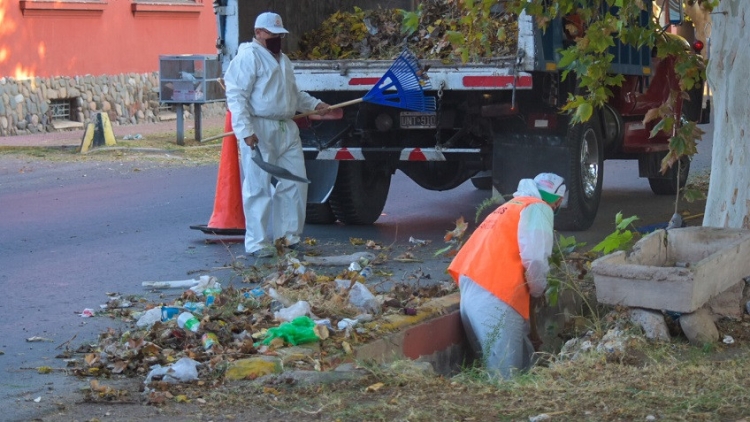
pixel 675 14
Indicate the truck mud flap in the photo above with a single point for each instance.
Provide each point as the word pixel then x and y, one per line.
pixel 525 157
pixel 322 175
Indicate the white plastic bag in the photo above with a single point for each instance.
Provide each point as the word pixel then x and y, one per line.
pixel 299 309
pixel 360 296
pixel 183 370
pixel 206 282
pixel 149 318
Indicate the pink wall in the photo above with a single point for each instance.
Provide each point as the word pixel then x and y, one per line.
pixel 65 38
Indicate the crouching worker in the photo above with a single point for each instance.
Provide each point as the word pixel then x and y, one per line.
pixel 502 264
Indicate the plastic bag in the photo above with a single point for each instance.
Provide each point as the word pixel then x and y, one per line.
pixel 360 296
pixel 183 370
pixel 149 318
pixel 298 331
pixel 299 309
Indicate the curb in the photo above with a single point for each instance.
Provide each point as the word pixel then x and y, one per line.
pixel 434 335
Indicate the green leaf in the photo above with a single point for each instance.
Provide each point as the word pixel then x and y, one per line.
pixel 622 225
pixel 584 112
pixel 443 250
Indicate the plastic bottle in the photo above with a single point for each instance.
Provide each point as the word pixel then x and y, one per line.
pixel 187 321
pixel 196 307
pixel 211 295
pixel 209 340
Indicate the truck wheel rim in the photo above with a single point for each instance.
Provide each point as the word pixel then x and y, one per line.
pixel 589 163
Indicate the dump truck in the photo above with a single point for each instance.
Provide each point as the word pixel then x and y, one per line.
pixel 496 120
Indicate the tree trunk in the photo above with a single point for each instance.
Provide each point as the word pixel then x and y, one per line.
pixel 728 203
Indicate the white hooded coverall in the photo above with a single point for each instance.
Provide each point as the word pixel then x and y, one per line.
pixel 491 325
pixel 262 96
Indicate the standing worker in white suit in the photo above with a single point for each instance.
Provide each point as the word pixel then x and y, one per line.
pixel 262 97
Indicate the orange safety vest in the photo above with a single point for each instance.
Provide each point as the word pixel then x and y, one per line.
pixel 492 258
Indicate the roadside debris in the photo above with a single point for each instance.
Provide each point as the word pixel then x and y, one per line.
pixel 208 328
pixel 37 339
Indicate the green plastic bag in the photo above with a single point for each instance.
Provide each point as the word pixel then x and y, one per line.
pixel 299 330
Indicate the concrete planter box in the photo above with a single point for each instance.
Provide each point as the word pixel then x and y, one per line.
pixel 678 270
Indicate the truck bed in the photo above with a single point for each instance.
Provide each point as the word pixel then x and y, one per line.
pixel 361 75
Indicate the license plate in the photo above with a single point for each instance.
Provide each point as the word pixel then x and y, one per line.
pixel 417 120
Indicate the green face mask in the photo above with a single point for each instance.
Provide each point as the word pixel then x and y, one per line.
pixel 549 198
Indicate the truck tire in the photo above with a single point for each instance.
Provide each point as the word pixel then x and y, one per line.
pixel 586 172
pixel 360 192
pixel 319 214
pixel 483 180
pixel 668 184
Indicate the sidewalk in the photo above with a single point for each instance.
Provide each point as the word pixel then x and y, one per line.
pixel 72 138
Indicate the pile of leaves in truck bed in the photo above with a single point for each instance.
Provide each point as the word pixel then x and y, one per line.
pixel 439 30
pixel 238 322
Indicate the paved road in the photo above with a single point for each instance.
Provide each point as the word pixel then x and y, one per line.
pixel 71 232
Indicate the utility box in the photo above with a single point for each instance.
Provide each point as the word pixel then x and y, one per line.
pixel 190 79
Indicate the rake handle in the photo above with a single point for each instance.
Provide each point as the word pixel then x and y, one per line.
pixel 339 105
pixel 296 116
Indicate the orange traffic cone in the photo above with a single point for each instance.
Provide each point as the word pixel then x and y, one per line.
pixel 228 217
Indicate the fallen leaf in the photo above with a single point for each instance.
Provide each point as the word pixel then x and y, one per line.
pixel 458 232
pixel 321 331
pixel 356 241
pixel 182 399
pixel 270 390
pixel 374 387
pixel 347 347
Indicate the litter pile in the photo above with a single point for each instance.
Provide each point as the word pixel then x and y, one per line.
pixel 438 29
pixel 208 327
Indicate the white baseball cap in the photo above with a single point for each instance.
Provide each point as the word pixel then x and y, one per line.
pixel 271 22
pixel 551 186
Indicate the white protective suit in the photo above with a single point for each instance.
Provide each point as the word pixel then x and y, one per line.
pixel 262 96
pixel 491 325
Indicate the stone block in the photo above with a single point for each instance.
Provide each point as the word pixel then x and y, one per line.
pixel 652 322
pixel 677 270
pixel 729 303
pixel 699 327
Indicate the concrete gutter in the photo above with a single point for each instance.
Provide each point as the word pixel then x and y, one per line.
pixel 433 335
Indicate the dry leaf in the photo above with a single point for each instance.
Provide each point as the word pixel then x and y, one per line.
pixel 373 245
pixel 347 347
pixel 119 366
pixel 270 390
pixel 374 387
pixel 321 331
pixel 458 232
pixel 91 359
pixel 356 241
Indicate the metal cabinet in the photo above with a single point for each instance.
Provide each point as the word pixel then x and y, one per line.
pixel 190 79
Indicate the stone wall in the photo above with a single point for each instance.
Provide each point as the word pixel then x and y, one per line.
pixel 127 98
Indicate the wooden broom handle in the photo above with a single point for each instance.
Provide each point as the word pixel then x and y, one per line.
pixel 339 105
pixel 296 116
